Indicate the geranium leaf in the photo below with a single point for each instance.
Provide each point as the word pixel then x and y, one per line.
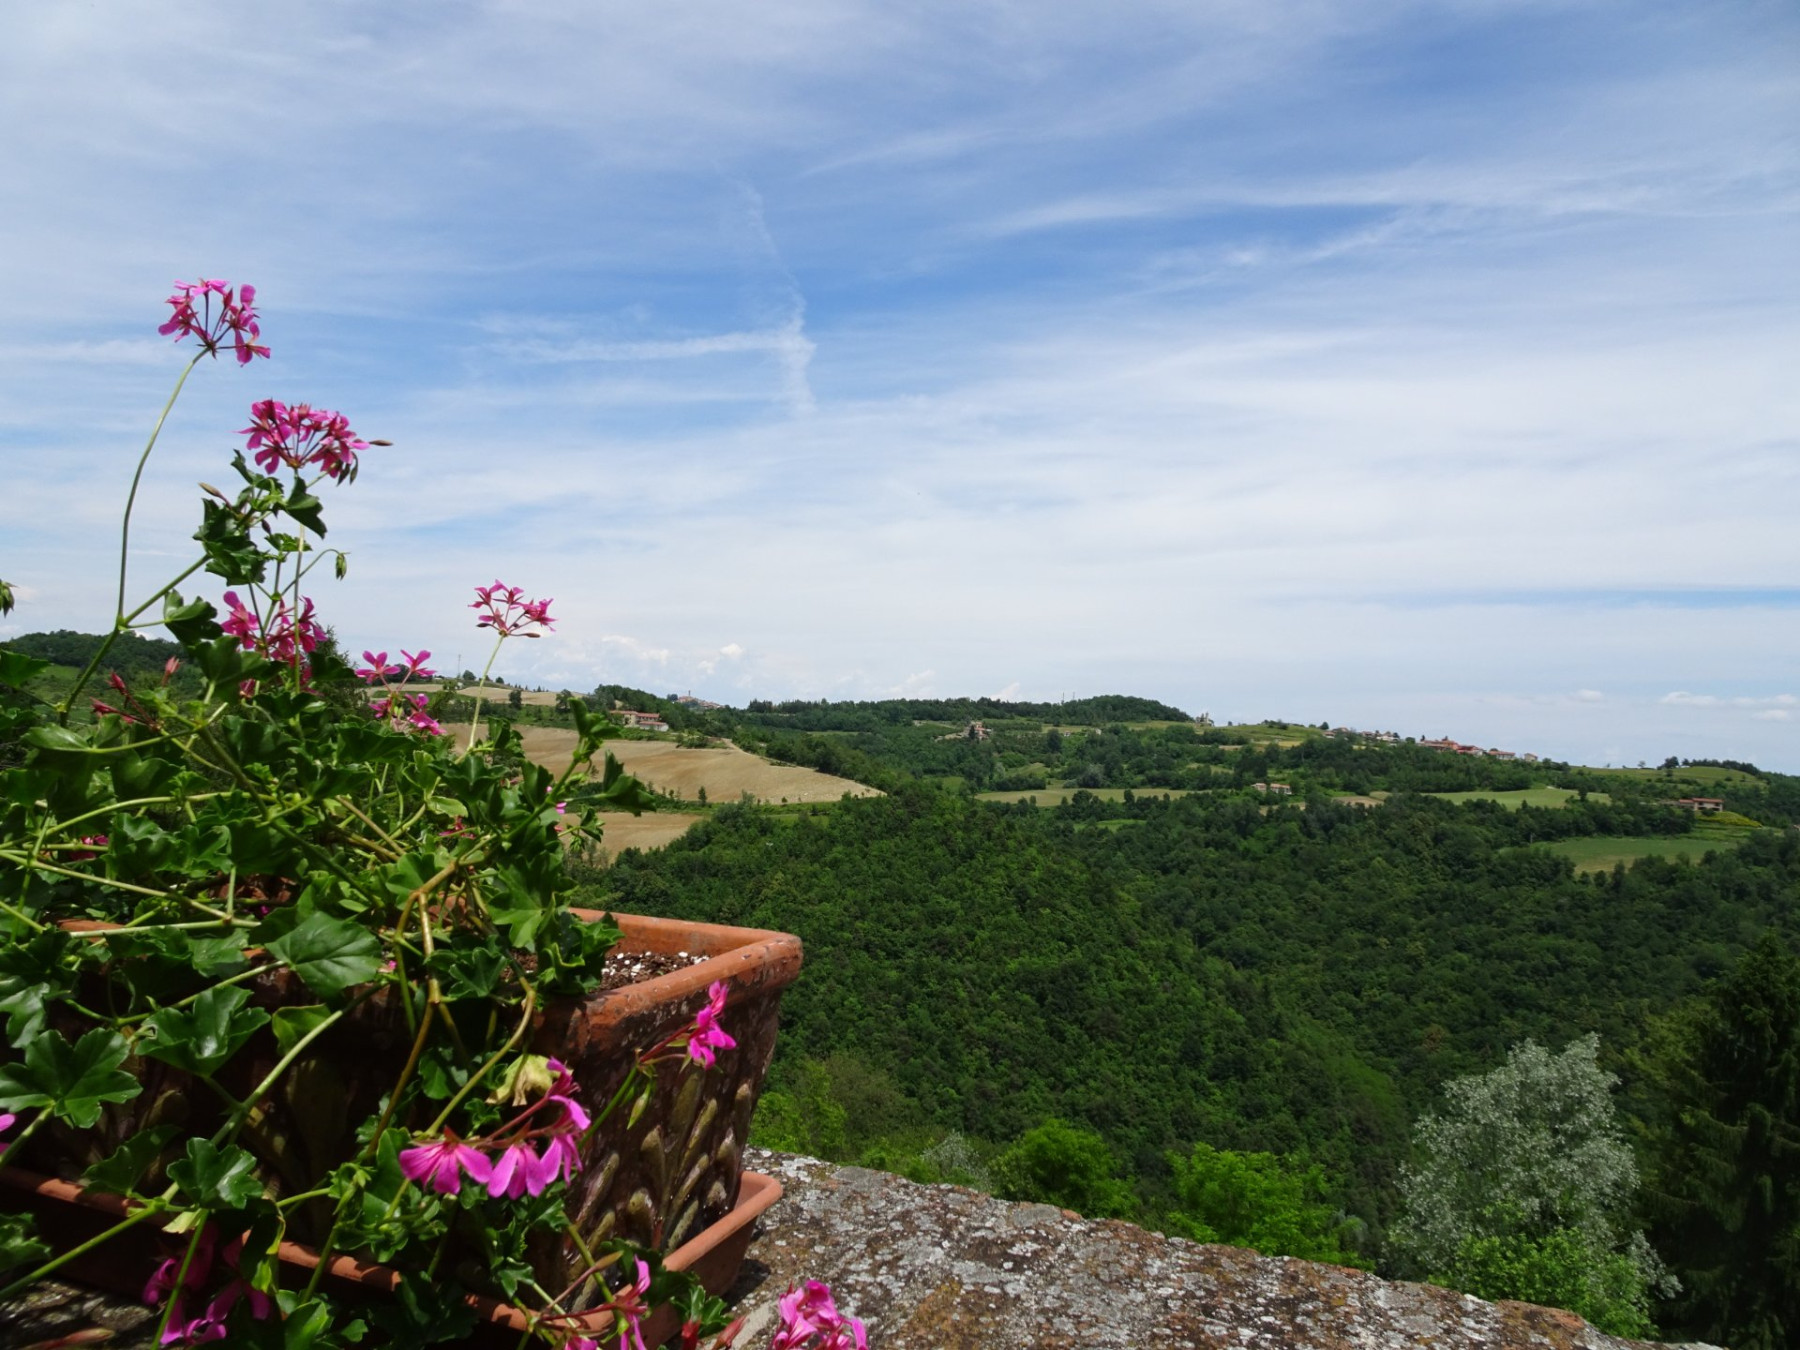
pixel 215 958
pixel 70 1081
pixel 23 1005
pixel 293 1024
pixel 216 1178
pixel 19 1242
pixel 329 954
pixel 205 1036
pixel 192 622
pixel 121 1172
pixel 16 668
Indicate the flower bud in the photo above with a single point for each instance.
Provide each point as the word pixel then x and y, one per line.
pixel 528 1078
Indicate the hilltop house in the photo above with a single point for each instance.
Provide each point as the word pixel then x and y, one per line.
pixel 1706 806
pixel 974 731
pixel 643 721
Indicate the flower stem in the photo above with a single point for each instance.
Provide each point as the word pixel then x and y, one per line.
pixel 236 1120
pixel 487 1068
pixel 187 1259
pixel 119 619
pixel 475 717
pixel 58 1262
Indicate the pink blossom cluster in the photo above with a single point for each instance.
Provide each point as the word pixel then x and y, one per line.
pixel 519 1169
pixel 299 435
pixel 284 637
pixel 700 1039
pixel 234 320
pixel 132 711
pixel 810 1321
pixel 86 854
pixel 628 1308
pixel 7 1120
pixel 398 706
pixel 209 1324
pixel 509 613
pixel 707 1035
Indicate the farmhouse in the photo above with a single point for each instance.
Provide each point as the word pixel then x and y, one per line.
pixel 1706 806
pixel 974 731
pixel 643 721
pixel 1274 789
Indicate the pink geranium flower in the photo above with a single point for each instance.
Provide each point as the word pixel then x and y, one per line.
pixel 811 1313
pixel 708 1036
pixel 420 720
pixel 516 1172
pixel 441 1165
pixel 628 1306
pixel 212 313
pixel 509 613
pixel 561 1159
pixel 209 1325
pixel 378 668
pixel 300 436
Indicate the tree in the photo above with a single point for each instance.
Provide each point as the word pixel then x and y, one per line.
pixel 1523 1189
pixel 1726 1171
pixel 1255 1200
pixel 515 699
pixel 1068 1167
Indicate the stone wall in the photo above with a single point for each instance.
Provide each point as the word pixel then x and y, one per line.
pixel 943 1268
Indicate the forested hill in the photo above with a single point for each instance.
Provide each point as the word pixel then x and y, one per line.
pixel 1087 1002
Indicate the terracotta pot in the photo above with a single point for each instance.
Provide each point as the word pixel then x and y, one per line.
pixel 658 1182
pixel 68 1215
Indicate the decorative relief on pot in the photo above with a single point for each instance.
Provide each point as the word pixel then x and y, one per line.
pixel 676 1171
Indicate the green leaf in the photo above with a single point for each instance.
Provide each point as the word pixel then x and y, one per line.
pixel 215 958
pixel 216 1178
pixel 306 1325
pixel 407 874
pixel 293 1025
pixel 136 775
pixel 19 1243
pixel 472 972
pixel 231 554
pixel 302 506
pixel 59 740
pixel 192 622
pixel 23 1005
pixel 138 846
pixel 17 669
pixel 121 1173
pixel 204 1037
pixel 70 1081
pixel 329 954
pixel 423 1313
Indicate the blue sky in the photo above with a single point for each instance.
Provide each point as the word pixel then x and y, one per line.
pixel 1425 366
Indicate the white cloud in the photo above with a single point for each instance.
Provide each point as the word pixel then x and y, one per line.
pixel 1169 350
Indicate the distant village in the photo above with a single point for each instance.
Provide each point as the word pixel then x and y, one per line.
pixel 1443 743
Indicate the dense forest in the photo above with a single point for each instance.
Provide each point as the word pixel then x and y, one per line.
pixel 1095 1002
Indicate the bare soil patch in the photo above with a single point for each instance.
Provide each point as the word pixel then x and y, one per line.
pixel 725 771
pixel 653 829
